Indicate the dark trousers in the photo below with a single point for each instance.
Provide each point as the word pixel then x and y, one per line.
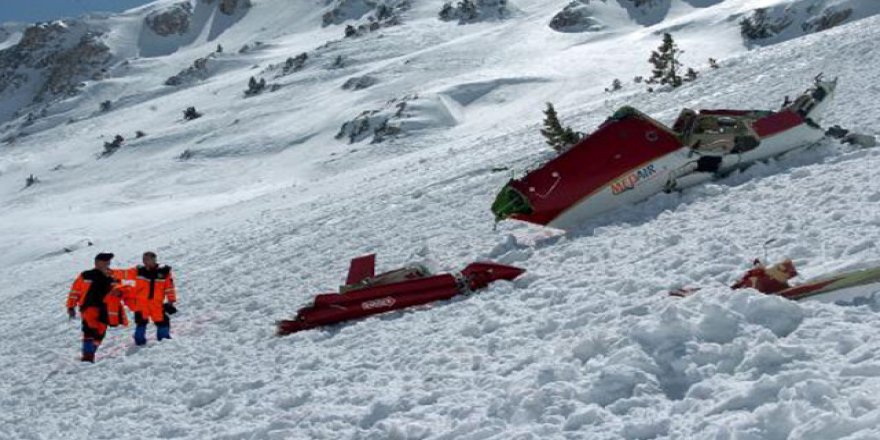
pixel 163 329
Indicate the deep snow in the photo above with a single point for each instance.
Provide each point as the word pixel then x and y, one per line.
pixel 271 207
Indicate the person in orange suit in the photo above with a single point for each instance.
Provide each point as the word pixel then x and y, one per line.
pixel 99 293
pixel 155 296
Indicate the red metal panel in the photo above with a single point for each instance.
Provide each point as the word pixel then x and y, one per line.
pixel 615 148
pixel 777 122
pixel 361 268
pixel 421 285
pixel 348 311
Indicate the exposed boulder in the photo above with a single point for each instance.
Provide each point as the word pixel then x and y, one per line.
pixel 385 16
pixel 173 20
pixel 828 19
pixel 230 7
pixel 472 11
pixel 199 71
pixel 359 82
pixel 344 10
pixel 577 16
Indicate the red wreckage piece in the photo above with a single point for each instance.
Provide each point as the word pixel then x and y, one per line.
pixel 367 295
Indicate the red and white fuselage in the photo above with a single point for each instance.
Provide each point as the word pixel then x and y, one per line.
pixel 632 157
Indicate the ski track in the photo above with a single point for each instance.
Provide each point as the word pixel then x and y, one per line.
pixel 586 345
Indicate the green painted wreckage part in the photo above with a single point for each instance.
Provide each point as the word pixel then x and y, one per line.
pixel 510 202
pixel 833 283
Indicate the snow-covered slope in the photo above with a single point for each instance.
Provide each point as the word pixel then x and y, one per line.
pixel 258 206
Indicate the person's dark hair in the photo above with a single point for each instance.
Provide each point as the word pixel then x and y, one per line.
pixel 150 254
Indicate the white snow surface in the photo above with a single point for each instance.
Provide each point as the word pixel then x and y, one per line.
pixel 270 207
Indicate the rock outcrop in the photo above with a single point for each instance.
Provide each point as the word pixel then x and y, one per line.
pixel 764 26
pixel 472 11
pixel 54 59
pixel 345 10
pixel 173 20
pixel 198 71
pixel 577 16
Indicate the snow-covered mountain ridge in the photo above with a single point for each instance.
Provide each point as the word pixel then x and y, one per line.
pixel 258 206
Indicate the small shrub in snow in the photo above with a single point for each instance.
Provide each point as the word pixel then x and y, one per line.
pixel 31 181
pixel 350 31
pixel 106 106
pixel 191 113
pixel 691 75
pixel 295 64
pixel 112 146
pixel 255 87
pixel 615 86
pixel 713 63
pixel 219 49
pixel 558 137
pixel 139 134
pixel 471 11
pixel 638 79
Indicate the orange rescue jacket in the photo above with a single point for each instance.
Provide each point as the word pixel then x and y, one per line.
pixel 151 289
pixel 92 288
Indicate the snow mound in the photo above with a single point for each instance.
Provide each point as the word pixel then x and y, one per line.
pixel 491 91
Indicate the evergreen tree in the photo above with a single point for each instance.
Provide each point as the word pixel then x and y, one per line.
pixel 111 147
pixel 615 86
pixel 666 64
pixel 383 12
pixel 350 31
pixel 713 63
pixel 691 75
pixel 755 27
pixel 557 137
pixel 191 113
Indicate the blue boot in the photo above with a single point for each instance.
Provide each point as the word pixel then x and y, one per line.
pixel 88 350
pixel 163 332
pixel 140 334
